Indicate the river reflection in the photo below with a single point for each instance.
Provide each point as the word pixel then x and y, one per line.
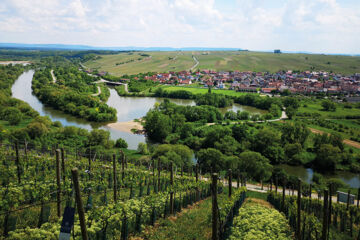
pixel 306 174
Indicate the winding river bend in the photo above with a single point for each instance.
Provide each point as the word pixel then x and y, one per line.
pixel 129 108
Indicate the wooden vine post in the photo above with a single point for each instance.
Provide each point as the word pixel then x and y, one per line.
pixel 214 207
pixel 358 197
pixel 63 163
pixel 330 207
pixel 114 173
pixel 26 152
pixel 283 195
pixel 348 200
pixel 159 169
pixel 154 178
pixel 58 182
pixel 237 181
pixel 89 159
pixel 325 216
pixel 172 191
pixel 17 159
pixel 79 203
pixel 298 222
pixel 230 182
pixel 122 164
pixel 197 180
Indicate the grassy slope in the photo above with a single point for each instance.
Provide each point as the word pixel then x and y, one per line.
pixel 158 62
pixel 225 60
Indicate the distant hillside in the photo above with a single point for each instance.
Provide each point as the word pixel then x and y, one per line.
pixel 86 47
pixel 137 62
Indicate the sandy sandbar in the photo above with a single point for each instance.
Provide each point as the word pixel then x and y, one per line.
pixel 14 62
pixel 126 126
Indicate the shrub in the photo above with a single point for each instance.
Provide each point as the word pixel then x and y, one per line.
pixel 259 222
pixel 121 143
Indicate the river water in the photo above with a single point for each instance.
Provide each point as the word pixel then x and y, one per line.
pixel 129 108
pixel 306 175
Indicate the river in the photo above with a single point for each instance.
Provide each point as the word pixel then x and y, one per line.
pixel 306 175
pixel 128 108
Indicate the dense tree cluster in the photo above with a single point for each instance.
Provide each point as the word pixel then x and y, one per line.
pixel 69 98
pixel 257 101
pixel 11 109
pixel 247 148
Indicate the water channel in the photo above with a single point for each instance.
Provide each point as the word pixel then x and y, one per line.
pixel 129 108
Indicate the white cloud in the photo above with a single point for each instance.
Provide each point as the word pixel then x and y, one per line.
pixel 306 25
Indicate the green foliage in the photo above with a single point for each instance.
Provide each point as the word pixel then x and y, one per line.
pixel 211 160
pixel 258 102
pixel 140 85
pixel 180 155
pixel 290 112
pixel 12 115
pixel 121 143
pixel 259 222
pixel 157 125
pixel 71 94
pixel 328 105
pixel 142 148
pixel 254 165
pixel 216 100
pixel 327 156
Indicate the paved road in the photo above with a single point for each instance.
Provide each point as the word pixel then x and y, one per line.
pixel 257 188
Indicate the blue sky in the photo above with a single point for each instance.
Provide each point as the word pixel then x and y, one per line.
pixel 327 26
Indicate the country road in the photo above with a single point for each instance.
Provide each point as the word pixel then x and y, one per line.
pixel 196 63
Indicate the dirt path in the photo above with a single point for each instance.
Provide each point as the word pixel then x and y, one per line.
pixel 196 63
pixel 98 93
pixel 346 141
pixel 53 76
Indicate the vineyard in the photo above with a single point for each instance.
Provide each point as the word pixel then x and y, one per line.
pixel 117 198
pixel 82 195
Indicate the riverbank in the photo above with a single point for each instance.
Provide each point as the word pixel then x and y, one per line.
pixel 14 62
pixel 126 126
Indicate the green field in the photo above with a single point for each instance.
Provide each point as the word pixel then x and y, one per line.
pixel 157 62
pixel 222 61
pixel 197 90
pixel 314 106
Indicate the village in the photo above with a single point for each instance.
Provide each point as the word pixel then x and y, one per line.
pixel 306 82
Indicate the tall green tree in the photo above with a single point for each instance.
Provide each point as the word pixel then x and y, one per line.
pixel 157 125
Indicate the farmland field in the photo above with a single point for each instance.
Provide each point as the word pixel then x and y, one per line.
pixel 132 63
pixel 196 90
